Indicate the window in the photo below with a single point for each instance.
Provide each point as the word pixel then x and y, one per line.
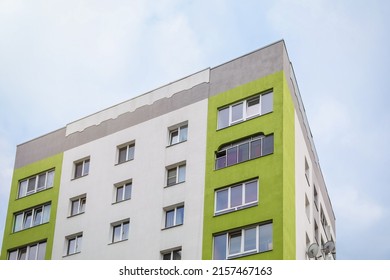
pixel 176 175
pixel 172 255
pixel 236 197
pixel 174 217
pixel 123 192
pixel 81 168
pixel 78 205
pixel 242 242
pixel 307 207
pixel 32 217
pixel 324 222
pixel 126 152
pixel 36 183
pixel 315 197
pixel 307 172
pixel 247 149
pixel 178 134
pixel 74 244
pixel 31 252
pixel 244 110
pixel 120 231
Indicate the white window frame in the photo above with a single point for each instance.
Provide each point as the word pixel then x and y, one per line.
pixel 85 166
pixel 242 232
pixel 78 239
pixel 245 114
pixel 123 235
pixel 171 254
pixel 175 216
pixel 243 204
pixel 32 212
pixel 27 249
pixel 177 168
pixel 130 152
pixel 82 202
pixel 24 184
pixel 182 134
pixel 124 186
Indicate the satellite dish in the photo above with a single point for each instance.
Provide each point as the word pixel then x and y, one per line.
pixel 328 247
pixel 312 251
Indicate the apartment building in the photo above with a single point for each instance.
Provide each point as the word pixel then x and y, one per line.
pixel 218 165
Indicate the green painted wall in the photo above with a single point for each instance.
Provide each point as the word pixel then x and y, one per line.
pixel 45 231
pixel 275 171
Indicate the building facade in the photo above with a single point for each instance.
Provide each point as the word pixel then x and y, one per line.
pixel 218 165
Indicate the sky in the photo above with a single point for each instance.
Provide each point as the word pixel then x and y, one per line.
pixel 63 60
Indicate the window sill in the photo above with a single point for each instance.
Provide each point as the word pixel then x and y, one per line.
pixel 216 169
pixel 175 144
pixel 240 255
pixel 78 214
pixel 76 178
pixel 71 254
pixel 171 227
pixel 120 163
pixel 168 186
pixel 244 120
pixel 37 191
pixel 117 202
pixel 116 242
pixel 238 208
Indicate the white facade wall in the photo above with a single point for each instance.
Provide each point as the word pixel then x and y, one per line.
pixel 147 236
pixel 308 214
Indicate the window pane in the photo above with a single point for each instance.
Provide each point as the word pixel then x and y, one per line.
pixel 237 112
pixel 78 170
pixel 122 155
pixel 41 251
pixel 268 143
pixel 116 234
pixel 79 243
pixel 125 233
pixel 220 161
pixel 86 167
pixel 41 181
pixel 128 191
pixel 13 255
pixel 27 219
pixel 46 213
pixel 82 204
pixel 251 192
pixel 235 243
pixel 222 200
pixel 32 252
pixel 130 152
pixel 253 106
pixel 177 255
pixel 266 103
pixel 220 247
pixel 167 256
pixel 169 218
pixel 256 148
pixel 119 194
pixel 232 156
pixel 71 246
pixel 22 253
pixel 22 188
pixel 183 133
pixel 223 118
pixel 236 196
pixel 37 217
pixel 18 222
pixel 50 179
pixel 265 236
pixel 180 215
pixel 243 152
pixel 171 180
pixel 31 185
pixel 182 173
pixel 174 137
pixel 250 239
